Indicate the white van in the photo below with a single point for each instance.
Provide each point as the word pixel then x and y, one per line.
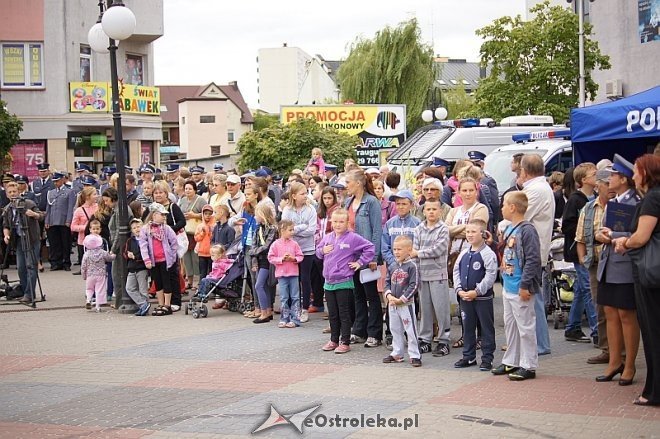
pixel 557 155
pixel 452 140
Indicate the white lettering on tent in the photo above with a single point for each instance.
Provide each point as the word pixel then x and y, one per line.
pixel 648 119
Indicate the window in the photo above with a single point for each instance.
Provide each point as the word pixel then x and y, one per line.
pixel 206 119
pixel 183 120
pixel 134 73
pixel 215 149
pixel 166 136
pixel 22 65
pixel 230 136
pixel 85 63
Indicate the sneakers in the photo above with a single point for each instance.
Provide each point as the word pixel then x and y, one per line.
pixel 143 309
pixel 304 316
pixel 281 325
pixel 577 335
pixel 330 346
pixel 88 305
pixel 485 366
pixel 522 374
pixel 372 343
pixel 464 362
pixel 342 349
pixel 503 369
pixel 416 362
pixel 388 342
pixel 440 350
pixel 392 359
pixel 424 347
pixel 355 339
pixel 175 308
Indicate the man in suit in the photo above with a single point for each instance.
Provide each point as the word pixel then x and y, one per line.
pixel 61 202
pixel 540 212
pixel 16 214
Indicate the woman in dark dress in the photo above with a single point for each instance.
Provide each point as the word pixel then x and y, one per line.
pixel 644 225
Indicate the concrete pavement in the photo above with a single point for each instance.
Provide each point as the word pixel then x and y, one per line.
pixel 68 372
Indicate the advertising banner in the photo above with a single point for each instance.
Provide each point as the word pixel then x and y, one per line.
pixel 93 97
pixel 379 127
pixel 26 156
pixel 649 20
pixel 13 64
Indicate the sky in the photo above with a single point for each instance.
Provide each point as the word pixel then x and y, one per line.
pixel 218 40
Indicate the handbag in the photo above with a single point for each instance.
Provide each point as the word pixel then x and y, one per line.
pixel 647 261
pixel 191 224
pixel 181 244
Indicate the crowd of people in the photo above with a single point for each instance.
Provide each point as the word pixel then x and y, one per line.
pixel 364 247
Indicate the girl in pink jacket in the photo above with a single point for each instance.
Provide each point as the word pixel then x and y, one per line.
pixel 285 254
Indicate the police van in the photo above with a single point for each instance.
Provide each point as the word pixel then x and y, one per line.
pixel 554 146
pixel 452 140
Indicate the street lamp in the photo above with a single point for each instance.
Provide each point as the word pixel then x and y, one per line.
pixel 580 12
pixel 429 116
pixel 116 22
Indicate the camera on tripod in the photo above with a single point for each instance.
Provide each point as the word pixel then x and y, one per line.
pixel 10 291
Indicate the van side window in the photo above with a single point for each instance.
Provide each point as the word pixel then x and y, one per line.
pixel 552 165
pixel 559 162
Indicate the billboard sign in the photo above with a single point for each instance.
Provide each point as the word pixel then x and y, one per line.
pixel 380 127
pixel 93 97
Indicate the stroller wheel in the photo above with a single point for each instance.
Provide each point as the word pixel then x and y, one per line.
pixel 240 307
pixel 232 306
pixel 187 308
pixel 195 315
pixel 249 306
pixel 204 311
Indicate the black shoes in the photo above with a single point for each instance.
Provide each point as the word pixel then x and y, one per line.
pixel 607 378
pixel 503 369
pixel 522 374
pixel 485 366
pixel 577 336
pixel 464 362
pixel 424 348
pixel 440 350
pixel 416 362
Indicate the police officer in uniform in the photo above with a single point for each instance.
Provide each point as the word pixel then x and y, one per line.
pixel 146 171
pixel 82 170
pixel 61 201
pixel 218 168
pixel 42 185
pixel 198 177
pixel 442 166
pixel 24 188
pixel 172 172
pixel 478 157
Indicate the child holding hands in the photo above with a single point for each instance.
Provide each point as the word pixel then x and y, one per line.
pixel 285 254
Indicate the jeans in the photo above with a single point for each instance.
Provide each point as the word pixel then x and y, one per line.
pixel 317 282
pixel 340 304
pixel 289 293
pixel 205 285
pixel 542 333
pixel 368 312
pixel 582 302
pixel 27 268
pixel 306 279
pixel 260 286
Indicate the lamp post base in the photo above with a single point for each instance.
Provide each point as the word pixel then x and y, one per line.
pixel 127 308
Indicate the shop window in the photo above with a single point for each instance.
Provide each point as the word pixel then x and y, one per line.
pixel 22 65
pixel 85 63
pixel 134 70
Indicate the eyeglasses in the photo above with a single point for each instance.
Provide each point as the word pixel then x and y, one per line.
pixel 428 189
pixel 231 184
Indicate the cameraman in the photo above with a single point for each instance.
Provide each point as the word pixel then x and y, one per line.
pixel 18 213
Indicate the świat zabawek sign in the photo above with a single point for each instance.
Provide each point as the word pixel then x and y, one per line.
pixel 94 97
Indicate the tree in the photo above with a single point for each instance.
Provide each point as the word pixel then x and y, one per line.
pixel 285 147
pixel 10 131
pixel 264 120
pixel 458 102
pixel 393 68
pixel 535 64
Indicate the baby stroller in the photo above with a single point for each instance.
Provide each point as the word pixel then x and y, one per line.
pixel 562 276
pixel 230 287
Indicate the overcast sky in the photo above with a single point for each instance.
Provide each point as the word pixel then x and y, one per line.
pixel 213 40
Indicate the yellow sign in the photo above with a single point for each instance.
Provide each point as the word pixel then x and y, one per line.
pixel 35 65
pixel 93 97
pixel 13 64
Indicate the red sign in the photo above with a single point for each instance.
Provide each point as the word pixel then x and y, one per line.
pixel 26 157
pixel 146 147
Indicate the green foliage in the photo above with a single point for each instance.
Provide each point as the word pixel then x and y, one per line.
pixel 535 64
pixel 264 120
pixel 458 102
pixel 396 67
pixel 10 130
pixel 285 147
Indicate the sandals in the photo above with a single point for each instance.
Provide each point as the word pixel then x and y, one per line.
pixel 162 311
pixel 458 343
pixel 639 401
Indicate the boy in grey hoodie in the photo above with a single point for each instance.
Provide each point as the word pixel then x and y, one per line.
pixel 430 247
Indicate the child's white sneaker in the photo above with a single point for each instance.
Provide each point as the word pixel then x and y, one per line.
pixel 304 316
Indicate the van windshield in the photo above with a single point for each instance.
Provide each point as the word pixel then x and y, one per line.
pixel 498 165
pixel 420 146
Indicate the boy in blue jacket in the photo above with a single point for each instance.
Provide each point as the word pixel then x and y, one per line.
pixel 475 272
pixel 521 279
pixel 343 252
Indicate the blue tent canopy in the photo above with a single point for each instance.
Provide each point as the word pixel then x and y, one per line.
pixel 629 126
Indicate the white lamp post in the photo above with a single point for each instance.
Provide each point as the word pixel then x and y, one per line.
pixel 117 22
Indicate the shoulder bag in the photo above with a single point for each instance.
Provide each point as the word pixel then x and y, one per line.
pixel 647 261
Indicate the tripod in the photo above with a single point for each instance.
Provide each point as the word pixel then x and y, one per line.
pixel 31 262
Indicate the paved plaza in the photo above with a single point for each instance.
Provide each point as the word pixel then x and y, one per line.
pixel 69 373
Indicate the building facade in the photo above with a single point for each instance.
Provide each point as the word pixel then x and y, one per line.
pixel 202 124
pixel 629 32
pixel 60 88
pixel 289 76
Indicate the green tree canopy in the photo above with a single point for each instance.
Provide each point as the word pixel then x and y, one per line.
pixel 285 147
pixel 264 120
pixel 535 65
pixel 10 130
pixel 395 67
